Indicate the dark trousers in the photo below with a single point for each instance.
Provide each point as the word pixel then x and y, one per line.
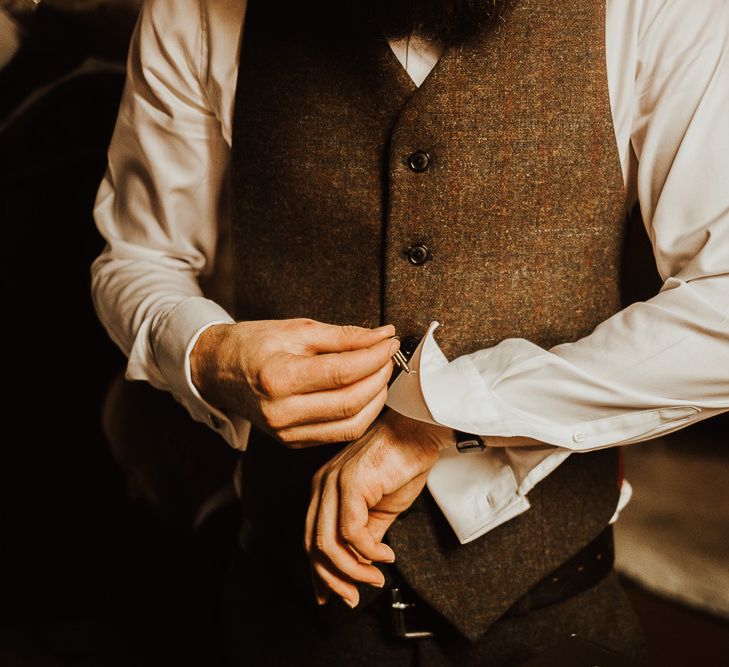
pixel 270 623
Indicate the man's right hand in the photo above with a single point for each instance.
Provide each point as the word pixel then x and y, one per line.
pixel 305 382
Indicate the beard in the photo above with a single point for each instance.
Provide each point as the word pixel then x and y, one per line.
pixel 446 21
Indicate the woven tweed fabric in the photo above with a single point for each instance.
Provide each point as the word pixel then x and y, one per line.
pixel 522 207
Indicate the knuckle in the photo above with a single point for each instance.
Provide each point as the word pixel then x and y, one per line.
pixel 350 433
pixel 347 477
pixel 273 417
pixel 321 543
pixel 360 429
pixel 349 408
pixel 304 325
pixel 268 382
pixel 325 476
pixel 355 429
pixel 346 369
pixel 334 376
pixel 283 435
pixel 350 330
pixel 346 531
pixel 287 438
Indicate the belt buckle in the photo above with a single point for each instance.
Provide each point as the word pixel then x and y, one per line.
pixel 398 610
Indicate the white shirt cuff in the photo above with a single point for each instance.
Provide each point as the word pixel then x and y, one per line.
pixel 477 491
pixel 161 356
pixel 233 428
pixel 464 395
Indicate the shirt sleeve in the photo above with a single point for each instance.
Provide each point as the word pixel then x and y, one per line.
pixel 160 206
pixel 652 368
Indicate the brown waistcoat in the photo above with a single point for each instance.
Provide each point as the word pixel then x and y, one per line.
pixel 522 207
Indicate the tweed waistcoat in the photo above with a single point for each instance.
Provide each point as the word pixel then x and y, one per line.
pixel 521 205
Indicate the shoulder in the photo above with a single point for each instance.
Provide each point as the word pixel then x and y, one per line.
pixel 176 16
pixel 683 41
pixel 680 40
pixel 190 46
pixel 682 21
pixel 648 19
pixel 192 24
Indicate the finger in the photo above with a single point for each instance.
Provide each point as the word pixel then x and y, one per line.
pixel 344 430
pixel 379 521
pixel 323 578
pixel 312 512
pixel 321 592
pixel 336 583
pixel 329 543
pixel 337 369
pixel 320 337
pixel 356 529
pixel 324 406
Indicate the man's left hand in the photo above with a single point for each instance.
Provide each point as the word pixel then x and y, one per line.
pixel 359 493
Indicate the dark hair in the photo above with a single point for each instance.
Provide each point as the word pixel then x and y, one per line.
pixel 447 21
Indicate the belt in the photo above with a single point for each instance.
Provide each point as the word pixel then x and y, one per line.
pixel 412 619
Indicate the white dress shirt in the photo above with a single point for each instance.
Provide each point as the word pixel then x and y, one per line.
pixel 652 368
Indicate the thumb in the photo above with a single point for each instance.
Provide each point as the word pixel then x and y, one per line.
pixel 323 338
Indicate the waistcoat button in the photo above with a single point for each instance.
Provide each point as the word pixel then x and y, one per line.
pixel 418 161
pixel 418 254
pixel 408 345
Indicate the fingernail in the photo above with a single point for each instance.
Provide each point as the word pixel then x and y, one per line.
pixel 383 329
pixel 350 603
pixel 379 584
pixel 394 347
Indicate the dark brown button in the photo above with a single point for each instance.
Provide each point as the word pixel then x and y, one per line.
pixel 419 161
pixel 418 254
pixel 408 345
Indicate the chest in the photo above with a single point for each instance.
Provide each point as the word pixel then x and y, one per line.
pixel 493 192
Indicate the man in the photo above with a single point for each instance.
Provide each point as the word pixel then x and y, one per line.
pixel 402 163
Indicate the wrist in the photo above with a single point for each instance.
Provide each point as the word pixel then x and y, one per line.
pixel 205 362
pixel 432 436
